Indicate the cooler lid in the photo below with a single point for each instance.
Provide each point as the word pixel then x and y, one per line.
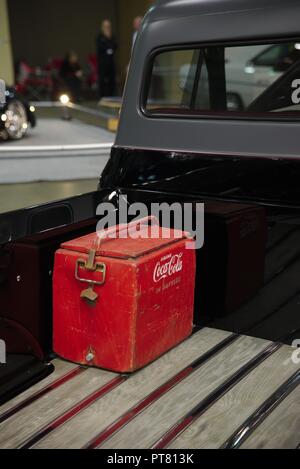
pixel 125 248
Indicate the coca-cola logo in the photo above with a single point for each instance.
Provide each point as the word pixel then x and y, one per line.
pixel 164 269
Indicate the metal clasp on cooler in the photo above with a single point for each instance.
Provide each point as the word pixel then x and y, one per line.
pixel 90 295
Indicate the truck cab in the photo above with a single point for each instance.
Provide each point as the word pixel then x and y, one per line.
pixel 206 118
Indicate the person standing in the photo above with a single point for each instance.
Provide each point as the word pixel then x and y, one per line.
pixel 106 50
pixel 71 74
pixel 137 23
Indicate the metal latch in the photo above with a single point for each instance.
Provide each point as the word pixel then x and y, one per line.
pixel 89 295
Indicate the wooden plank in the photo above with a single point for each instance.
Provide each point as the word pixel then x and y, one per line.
pixel 87 425
pixel 61 369
pixel 153 423
pixel 218 424
pixel 26 422
pixel 281 429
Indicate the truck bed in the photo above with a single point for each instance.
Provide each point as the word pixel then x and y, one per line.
pixel 215 390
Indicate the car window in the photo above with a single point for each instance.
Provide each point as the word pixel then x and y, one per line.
pixel 283 95
pixel 173 78
pixel 271 56
pixel 224 80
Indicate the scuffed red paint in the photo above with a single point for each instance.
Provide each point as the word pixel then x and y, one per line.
pixel 136 319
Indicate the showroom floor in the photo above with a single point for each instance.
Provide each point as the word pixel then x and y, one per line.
pixel 58 159
pixel 61 132
pixel 56 150
pixel 16 196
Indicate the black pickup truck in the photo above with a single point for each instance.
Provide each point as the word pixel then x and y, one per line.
pixel 210 114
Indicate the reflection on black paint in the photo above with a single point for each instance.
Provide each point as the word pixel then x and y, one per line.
pixel 236 178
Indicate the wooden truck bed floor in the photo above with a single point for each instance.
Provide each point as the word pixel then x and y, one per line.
pixel 214 390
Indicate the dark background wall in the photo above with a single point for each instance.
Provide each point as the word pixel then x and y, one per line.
pixel 49 28
pixel 126 11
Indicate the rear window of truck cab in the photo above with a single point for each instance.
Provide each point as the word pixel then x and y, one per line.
pixel 246 80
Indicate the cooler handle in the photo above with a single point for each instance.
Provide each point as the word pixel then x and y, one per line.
pixel 90 295
pixel 119 228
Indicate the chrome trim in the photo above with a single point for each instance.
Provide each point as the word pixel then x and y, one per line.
pixel 214 396
pixel 254 420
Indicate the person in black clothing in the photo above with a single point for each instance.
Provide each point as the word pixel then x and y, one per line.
pixel 106 49
pixel 71 74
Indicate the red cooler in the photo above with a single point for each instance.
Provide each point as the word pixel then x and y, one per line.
pixel 121 303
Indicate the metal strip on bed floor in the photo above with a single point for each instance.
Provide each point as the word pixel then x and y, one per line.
pixel 256 419
pixel 280 428
pixel 199 395
pixel 228 414
pixel 92 421
pixel 61 370
pixel 42 392
pixel 156 421
pixel 68 415
pixel 194 414
pixel 159 392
